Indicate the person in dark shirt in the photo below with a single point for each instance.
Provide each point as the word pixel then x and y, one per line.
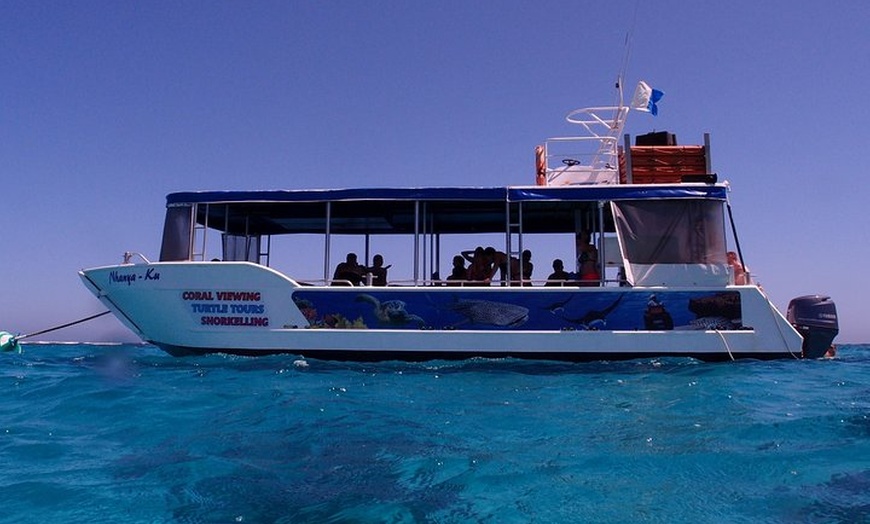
pixel 459 272
pixel 379 271
pixel 558 275
pixel 349 271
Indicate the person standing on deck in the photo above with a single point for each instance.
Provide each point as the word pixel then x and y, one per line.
pixel 740 274
pixel 587 260
pixel 481 269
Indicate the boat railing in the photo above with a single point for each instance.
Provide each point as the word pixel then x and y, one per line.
pixel 592 157
pixel 537 283
pixel 128 257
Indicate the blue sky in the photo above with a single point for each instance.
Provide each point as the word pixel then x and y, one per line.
pixel 108 106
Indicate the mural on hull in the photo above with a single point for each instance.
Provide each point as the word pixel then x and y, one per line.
pixel 604 310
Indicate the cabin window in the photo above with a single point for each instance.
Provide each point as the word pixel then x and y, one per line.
pixel 241 248
pixel 176 234
pixel 671 231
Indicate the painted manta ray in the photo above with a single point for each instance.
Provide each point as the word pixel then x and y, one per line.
pixel 559 305
pixel 594 318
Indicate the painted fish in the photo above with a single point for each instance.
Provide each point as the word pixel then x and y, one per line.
pixel 491 313
pixel 710 323
pixel 390 311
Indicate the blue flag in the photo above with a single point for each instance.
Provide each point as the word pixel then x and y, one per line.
pixel 645 98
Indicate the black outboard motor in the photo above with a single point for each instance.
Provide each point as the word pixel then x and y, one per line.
pixel 815 318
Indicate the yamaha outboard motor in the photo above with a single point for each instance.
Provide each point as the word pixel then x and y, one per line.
pixel 815 318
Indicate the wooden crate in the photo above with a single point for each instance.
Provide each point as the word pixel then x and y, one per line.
pixel 663 164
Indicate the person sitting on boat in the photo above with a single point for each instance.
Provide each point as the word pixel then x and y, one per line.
pixel 481 270
pixel 528 267
pixel 379 271
pixel 503 264
pixel 587 260
pixel 509 267
pixel 740 276
pixel 459 273
pixel 559 275
pixel 348 271
pixel 520 273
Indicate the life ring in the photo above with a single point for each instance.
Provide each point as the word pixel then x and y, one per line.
pixel 540 166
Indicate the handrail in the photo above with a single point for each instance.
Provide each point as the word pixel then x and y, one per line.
pixel 578 138
pixel 128 255
pixel 410 283
pixel 598 161
pixel 612 125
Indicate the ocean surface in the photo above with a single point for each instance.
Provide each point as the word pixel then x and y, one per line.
pixel 126 433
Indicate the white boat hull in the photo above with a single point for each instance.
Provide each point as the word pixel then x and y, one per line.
pixel 257 310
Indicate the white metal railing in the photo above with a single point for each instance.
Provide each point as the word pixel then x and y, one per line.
pixel 592 157
pixel 128 257
pixel 410 283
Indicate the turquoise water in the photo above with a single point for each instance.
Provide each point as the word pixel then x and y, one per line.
pixel 129 434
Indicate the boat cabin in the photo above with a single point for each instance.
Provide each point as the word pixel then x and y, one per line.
pixel 653 212
pixel 645 235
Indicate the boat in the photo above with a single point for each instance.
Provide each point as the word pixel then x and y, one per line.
pixel 644 228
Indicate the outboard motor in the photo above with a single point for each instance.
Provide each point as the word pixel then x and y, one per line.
pixel 815 318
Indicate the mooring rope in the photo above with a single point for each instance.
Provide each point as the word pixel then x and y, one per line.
pixel 727 348
pixel 9 342
pixel 68 324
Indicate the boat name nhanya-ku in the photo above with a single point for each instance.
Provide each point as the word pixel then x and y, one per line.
pixel 127 278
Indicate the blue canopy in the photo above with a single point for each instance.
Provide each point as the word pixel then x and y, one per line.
pixel 502 194
pixel 406 210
